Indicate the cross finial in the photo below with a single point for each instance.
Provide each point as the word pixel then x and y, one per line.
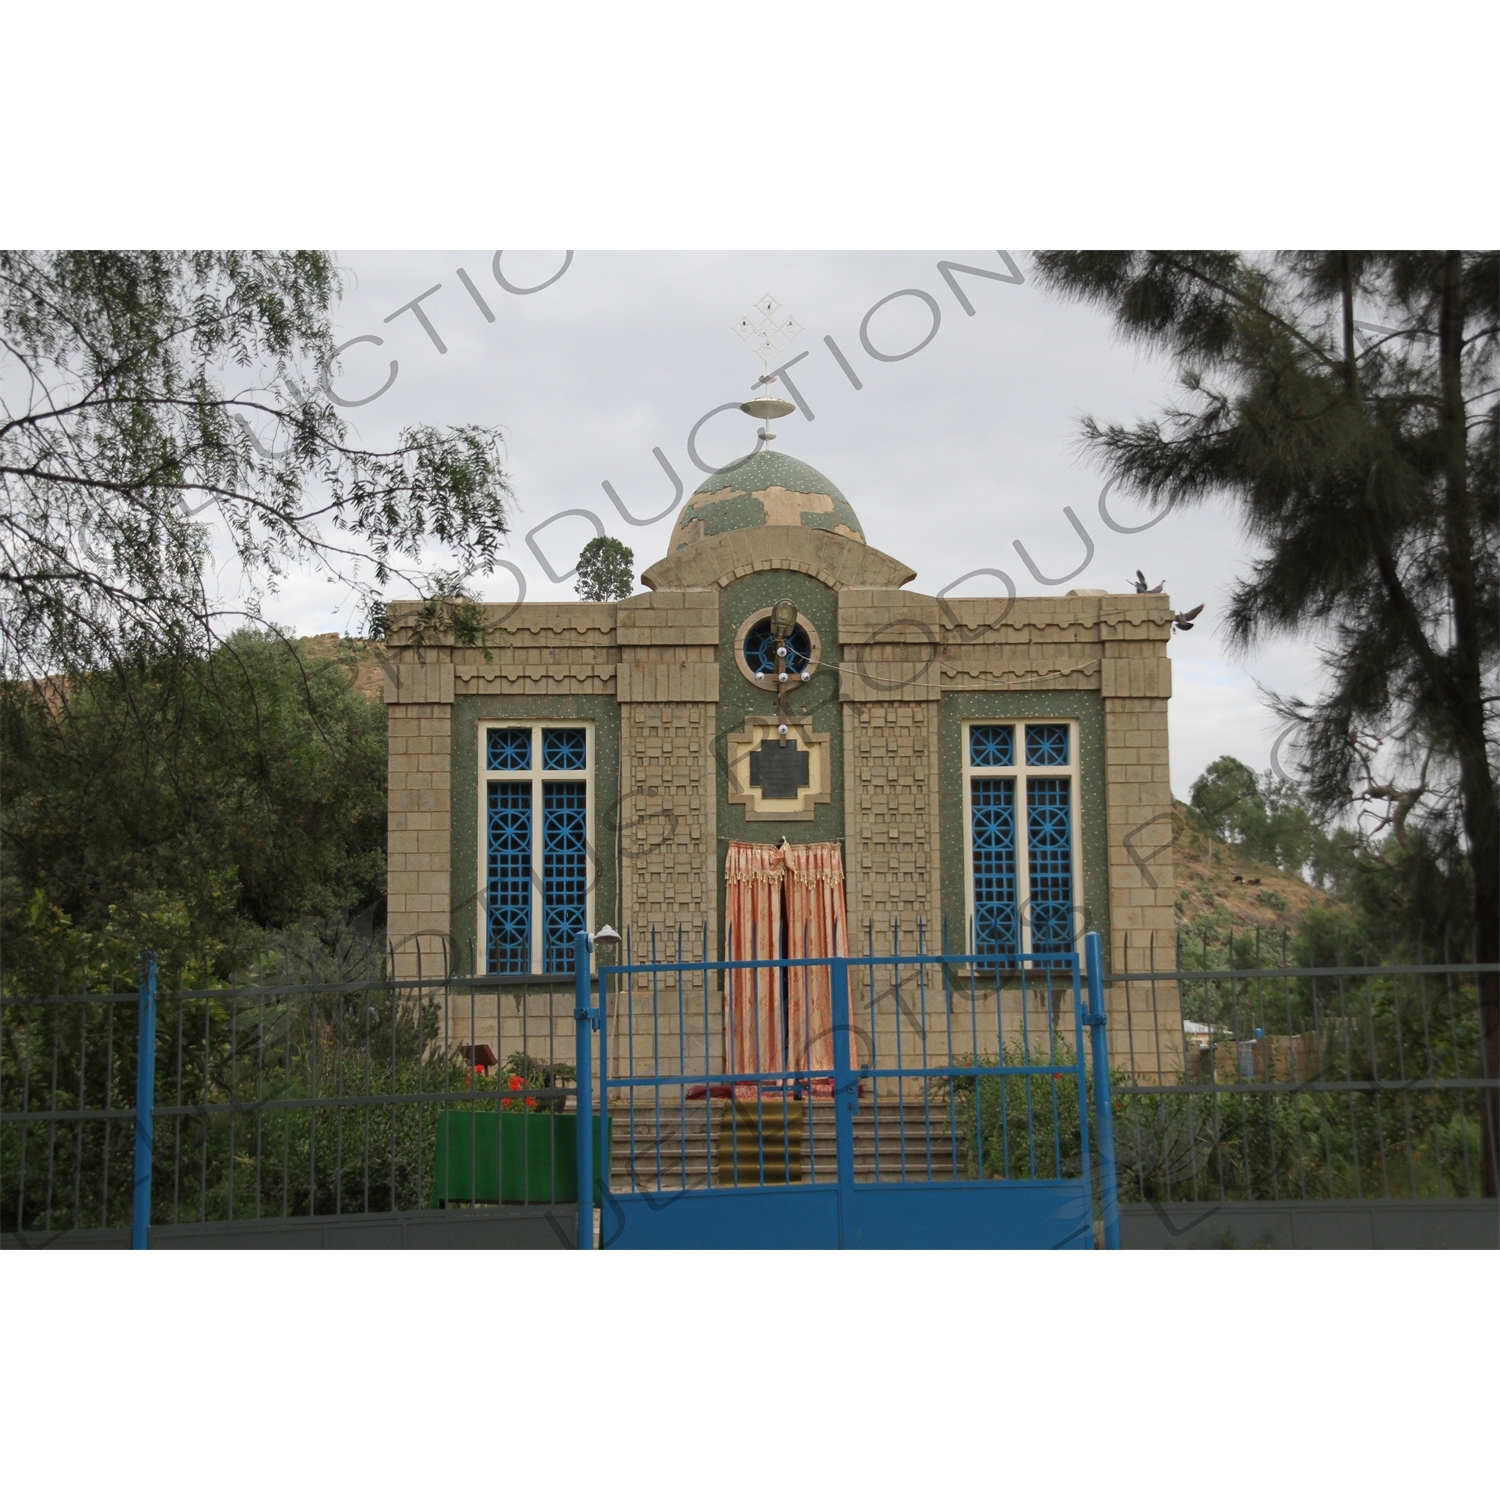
pixel 766 335
pixel 768 338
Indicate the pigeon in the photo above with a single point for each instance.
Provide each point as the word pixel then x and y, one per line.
pixel 1141 586
pixel 1184 621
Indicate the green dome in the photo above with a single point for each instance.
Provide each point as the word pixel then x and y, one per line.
pixel 764 489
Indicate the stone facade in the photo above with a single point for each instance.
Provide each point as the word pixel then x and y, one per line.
pixel 899 673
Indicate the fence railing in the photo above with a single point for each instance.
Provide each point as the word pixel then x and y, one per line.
pixel 1318 1079
pixel 281 1100
pixel 1237 1074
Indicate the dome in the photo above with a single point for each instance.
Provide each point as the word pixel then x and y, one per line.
pixel 764 489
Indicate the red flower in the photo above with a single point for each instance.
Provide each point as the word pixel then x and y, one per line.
pixel 517 1083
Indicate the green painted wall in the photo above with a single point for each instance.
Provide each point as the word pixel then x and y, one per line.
pixel 466 919
pixel 739 699
pixel 1088 710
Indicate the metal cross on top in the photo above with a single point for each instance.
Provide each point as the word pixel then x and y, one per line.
pixel 767 336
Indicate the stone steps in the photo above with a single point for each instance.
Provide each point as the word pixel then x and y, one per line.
pixel 683 1147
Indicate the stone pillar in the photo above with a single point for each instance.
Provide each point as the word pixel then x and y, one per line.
pixel 1145 1018
pixel 419 705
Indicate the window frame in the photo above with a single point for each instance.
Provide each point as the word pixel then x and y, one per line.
pixel 536 776
pixel 1019 772
pixel 768 683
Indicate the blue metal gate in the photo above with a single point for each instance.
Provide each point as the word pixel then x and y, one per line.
pixel 958 1113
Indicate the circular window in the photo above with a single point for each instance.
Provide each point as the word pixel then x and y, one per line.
pixel 761 649
pixel 755 650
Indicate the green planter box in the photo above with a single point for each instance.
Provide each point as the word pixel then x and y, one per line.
pixel 529 1157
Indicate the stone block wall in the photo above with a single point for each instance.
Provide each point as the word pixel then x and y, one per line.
pixel 420 836
pixel 892 863
pixel 669 855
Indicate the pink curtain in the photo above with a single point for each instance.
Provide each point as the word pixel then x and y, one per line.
pixel 802 887
pixel 817 926
pixel 752 997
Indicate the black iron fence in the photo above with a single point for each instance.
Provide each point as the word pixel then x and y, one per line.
pixel 1327 1076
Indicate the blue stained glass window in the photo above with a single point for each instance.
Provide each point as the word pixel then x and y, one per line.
pixel 760 648
pixel 565 871
pixel 992 745
pixel 509 750
pixel 509 876
pixel 564 750
pixel 1049 849
pixel 993 814
pixel 1046 744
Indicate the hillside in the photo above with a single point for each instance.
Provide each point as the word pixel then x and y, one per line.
pixel 1218 887
pixel 361 659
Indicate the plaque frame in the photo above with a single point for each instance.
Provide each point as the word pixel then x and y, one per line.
pixel 759 809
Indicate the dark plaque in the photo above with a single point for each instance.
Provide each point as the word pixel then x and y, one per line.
pixel 780 771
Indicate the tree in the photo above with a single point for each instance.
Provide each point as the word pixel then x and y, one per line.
pixel 1346 401
pixel 193 806
pixel 606 570
pixel 1263 815
pixel 143 389
pixel 1227 796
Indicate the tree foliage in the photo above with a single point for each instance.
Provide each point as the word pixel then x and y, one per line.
pixel 606 570
pixel 145 394
pixel 1348 403
pixel 189 806
pixel 1263 815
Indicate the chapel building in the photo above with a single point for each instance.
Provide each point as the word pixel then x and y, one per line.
pixel 969 775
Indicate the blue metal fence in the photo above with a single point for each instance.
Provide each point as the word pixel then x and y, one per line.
pixel 957 1108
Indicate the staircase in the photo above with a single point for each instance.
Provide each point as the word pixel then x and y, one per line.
pixel 687 1146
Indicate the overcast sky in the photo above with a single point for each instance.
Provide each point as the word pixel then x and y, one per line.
pixel 949 456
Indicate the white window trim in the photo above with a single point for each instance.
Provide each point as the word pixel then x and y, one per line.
pixel 1019 772
pixel 536 776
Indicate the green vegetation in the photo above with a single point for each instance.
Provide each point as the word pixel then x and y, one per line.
pixel 219 799
pixel 1292 1143
pixel 606 570
pixel 220 809
pixel 215 1161
pixel 1295 1145
pixel 1017 1125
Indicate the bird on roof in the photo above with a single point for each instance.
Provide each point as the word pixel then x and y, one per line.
pixel 1184 621
pixel 1142 587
